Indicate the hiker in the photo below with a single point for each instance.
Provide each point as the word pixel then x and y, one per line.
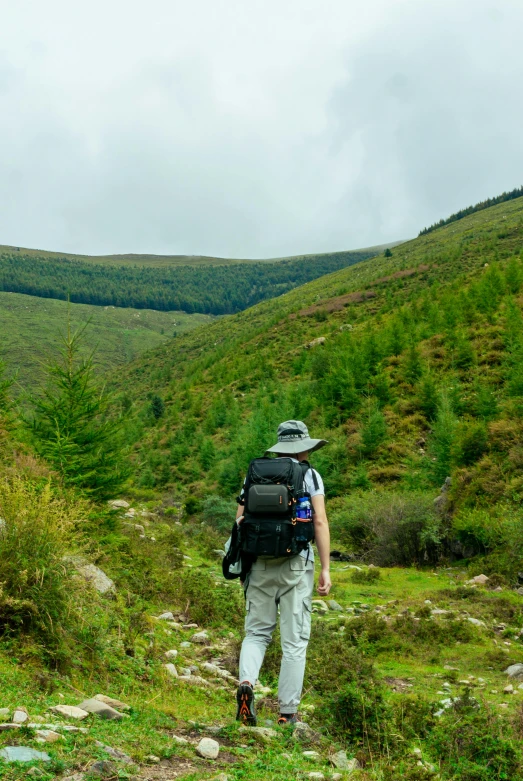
pixel 284 581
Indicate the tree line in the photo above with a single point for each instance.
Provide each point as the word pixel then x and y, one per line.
pixel 506 196
pixel 216 290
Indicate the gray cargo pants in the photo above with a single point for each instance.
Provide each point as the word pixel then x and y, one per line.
pixel 287 583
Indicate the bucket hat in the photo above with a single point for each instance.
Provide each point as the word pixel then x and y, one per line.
pixel 293 438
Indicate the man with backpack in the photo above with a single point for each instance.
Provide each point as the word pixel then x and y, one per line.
pixel 281 512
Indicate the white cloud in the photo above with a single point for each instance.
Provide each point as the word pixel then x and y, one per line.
pixel 252 129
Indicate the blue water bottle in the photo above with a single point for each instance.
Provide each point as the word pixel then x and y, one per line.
pixel 304 509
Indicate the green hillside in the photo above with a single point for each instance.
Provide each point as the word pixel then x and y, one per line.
pixel 419 375
pixel 30 330
pixel 205 287
pixel 410 365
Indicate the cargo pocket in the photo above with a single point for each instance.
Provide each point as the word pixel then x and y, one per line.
pixel 297 564
pixel 305 632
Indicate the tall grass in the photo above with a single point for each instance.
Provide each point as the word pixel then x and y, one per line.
pixel 36 532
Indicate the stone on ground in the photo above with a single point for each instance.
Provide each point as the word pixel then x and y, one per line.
pixel 97 578
pixel 70 712
pixel 172 654
pixel 208 748
pixel 171 669
pixel 116 704
pixel 334 605
pixel 9 726
pixel 200 637
pixel 103 769
pixel 316 775
pixel 100 709
pixel 515 671
pixel 305 734
pixel 47 736
pixel 4 713
pixel 179 740
pixel 475 621
pixel 480 579
pixel 116 504
pixel 262 734
pixel 168 616
pixel 215 670
pixel 339 760
pixel 20 716
pixel 23 754
pixel 152 759
pixel 115 753
pixel 313 755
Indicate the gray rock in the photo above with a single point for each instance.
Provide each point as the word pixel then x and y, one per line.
pixel 208 748
pixel 185 644
pixel 166 617
pixel 20 716
pixel 117 504
pixel 334 605
pixel 9 726
pixel 171 669
pixel 97 578
pixel 312 755
pixel 320 603
pixel 47 736
pixel 4 713
pixel 215 670
pixel 515 671
pixel 115 753
pixel 152 759
pixel 475 621
pixel 23 754
pixel 480 579
pixel 179 740
pixel 70 712
pixel 315 775
pixel 35 772
pixel 100 709
pixel 261 734
pixel 520 591
pixel 172 654
pixel 103 769
pixel 342 762
pixel 202 638
pixel 116 704
pixel 305 734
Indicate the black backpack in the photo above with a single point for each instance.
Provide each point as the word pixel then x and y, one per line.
pixel 272 489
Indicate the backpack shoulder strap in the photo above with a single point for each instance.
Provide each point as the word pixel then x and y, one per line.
pixel 305 466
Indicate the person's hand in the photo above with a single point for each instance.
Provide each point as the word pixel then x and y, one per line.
pixel 239 520
pixel 324 583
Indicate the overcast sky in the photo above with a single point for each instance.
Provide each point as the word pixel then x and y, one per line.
pixel 252 128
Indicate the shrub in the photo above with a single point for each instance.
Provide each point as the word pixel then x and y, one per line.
pixel 366 576
pixel 219 512
pixel 211 602
pixel 474 744
pixel 36 532
pixel 390 528
pixel 374 431
pixel 471 444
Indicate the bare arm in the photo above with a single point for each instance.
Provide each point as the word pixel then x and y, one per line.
pixel 322 535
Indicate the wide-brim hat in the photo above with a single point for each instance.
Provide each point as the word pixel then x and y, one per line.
pixel 293 438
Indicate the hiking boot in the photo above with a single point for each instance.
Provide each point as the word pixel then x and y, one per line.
pixel 286 719
pixel 245 699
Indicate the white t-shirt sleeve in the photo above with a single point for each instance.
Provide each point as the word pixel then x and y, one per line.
pixel 309 486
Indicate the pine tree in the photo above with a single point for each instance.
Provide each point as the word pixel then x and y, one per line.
pixel 72 427
pixel 442 441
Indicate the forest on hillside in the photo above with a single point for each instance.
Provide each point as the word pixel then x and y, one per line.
pixel 216 290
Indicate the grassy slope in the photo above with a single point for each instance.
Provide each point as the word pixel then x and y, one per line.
pixel 414 656
pixel 163 260
pixel 31 328
pixel 417 296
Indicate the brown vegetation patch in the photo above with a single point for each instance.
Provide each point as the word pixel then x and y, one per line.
pixel 407 272
pixel 397 684
pixel 386 474
pixel 338 303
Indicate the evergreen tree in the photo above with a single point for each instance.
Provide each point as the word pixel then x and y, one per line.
pixel 374 431
pixel 428 397
pixel 442 441
pixel 72 427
